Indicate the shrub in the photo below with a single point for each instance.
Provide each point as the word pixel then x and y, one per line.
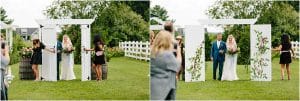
pixel 18 44
pixel 113 52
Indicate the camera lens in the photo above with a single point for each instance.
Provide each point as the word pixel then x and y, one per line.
pixel 2 45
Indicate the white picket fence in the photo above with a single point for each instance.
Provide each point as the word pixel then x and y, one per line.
pixel 134 49
pixel 295 47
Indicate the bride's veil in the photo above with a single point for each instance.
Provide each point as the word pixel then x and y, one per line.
pixel 69 42
pixel 233 41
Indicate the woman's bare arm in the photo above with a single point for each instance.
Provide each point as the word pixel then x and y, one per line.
pixel 277 48
pixel 85 49
pixel 179 58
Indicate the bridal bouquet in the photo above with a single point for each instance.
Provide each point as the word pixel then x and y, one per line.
pixel 68 51
pixel 231 52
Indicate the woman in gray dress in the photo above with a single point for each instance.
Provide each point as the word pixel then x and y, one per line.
pixel 4 63
pixel 164 66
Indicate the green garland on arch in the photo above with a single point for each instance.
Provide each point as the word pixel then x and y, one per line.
pixel 196 63
pixel 258 61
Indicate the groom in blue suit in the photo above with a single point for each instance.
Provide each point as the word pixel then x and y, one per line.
pixel 59 51
pixel 217 55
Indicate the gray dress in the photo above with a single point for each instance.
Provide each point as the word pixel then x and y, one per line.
pixel 163 75
pixel 4 64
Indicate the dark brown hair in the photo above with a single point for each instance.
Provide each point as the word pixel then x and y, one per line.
pixel 35 41
pixel 168 26
pixel 285 39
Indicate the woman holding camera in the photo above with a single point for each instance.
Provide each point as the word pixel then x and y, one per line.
pixel 164 66
pixel 4 64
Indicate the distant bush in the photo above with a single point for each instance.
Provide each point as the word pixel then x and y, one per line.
pixel 113 52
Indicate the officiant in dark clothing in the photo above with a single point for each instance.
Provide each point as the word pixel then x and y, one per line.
pixel 59 51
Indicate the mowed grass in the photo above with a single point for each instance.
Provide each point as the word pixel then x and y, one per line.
pixel 244 88
pixel 127 79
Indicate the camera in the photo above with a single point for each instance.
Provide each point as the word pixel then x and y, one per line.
pixel 3 45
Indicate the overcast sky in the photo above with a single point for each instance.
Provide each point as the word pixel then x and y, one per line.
pixel 186 12
pixel 24 12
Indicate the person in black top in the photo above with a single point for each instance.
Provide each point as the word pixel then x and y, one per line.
pixel 285 55
pixel 36 58
pixel 99 56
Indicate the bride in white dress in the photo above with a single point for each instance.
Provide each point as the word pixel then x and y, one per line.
pixel 67 72
pixel 229 69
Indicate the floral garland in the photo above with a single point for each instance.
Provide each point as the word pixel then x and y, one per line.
pixel 258 61
pixel 196 61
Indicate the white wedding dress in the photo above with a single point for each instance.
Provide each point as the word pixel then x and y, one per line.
pixel 67 72
pixel 229 68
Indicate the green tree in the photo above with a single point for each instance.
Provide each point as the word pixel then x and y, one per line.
pixel 283 18
pixel 119 23
pixel 237 9
pixel 140 7
pixel 4 18
pixel 159 12
pixel 295 4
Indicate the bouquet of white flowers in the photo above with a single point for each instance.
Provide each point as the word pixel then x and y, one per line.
pixel 68 51
pixel 232 52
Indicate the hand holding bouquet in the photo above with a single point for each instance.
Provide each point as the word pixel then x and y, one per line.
pixel 232 51
pixel 68 50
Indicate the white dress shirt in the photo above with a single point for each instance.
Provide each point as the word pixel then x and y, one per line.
pixel 218 43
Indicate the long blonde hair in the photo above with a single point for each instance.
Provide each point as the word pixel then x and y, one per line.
pixel 162 42
pixel 233 41
pixel 152 36
pixel 68 43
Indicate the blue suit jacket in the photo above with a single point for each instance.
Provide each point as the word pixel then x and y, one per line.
pixel 59 50
pixel 215 51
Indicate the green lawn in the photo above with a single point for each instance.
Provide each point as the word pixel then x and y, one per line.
pixel 244 88
pixel 127 79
